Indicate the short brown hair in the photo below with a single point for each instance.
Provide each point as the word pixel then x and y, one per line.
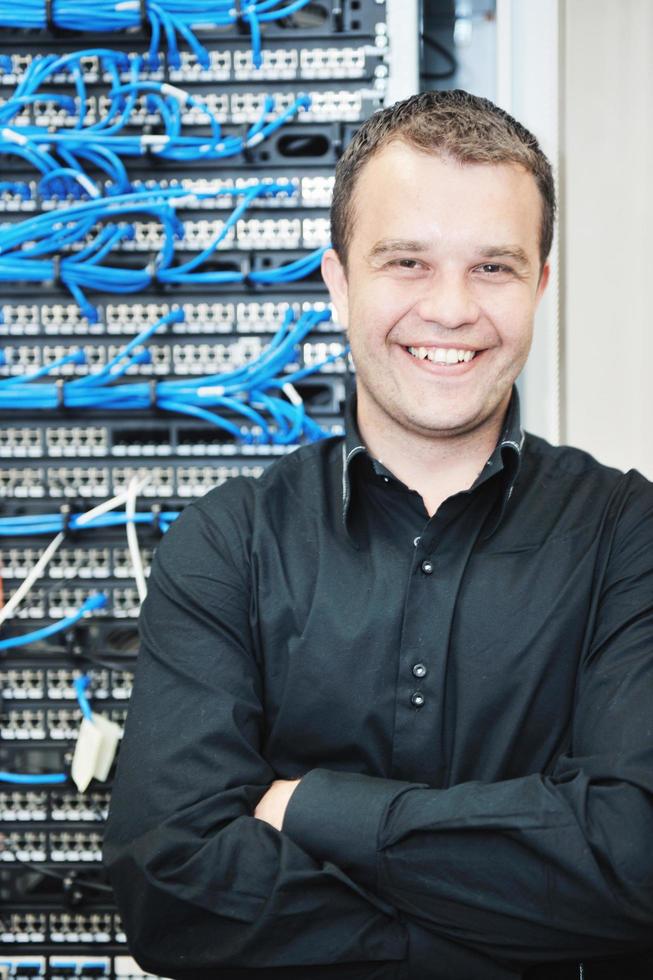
pixel 453 123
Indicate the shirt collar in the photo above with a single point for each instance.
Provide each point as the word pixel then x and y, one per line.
pixel 505 460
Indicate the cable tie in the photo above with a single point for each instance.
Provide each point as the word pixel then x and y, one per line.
pixel 49 17
pixel 142 13
pixel 247 148
pixel 56 271
pixel 247 276
pixel 239 19
pixel 60 388
pixel 156 519
pixel 66 515
pixel 153 401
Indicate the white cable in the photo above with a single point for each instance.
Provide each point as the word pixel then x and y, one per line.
pixel 28 582
pixel 103 508
pixel 111 504
pixel 132 538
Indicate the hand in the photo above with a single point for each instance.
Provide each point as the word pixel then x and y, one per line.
pixel 272 805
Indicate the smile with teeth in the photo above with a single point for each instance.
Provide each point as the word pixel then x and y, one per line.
pixel 441 355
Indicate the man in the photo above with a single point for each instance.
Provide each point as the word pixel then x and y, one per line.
pixel 392 716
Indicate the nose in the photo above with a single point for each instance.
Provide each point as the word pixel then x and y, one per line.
pixel 447 300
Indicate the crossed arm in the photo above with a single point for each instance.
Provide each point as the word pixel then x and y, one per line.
pixel 531 869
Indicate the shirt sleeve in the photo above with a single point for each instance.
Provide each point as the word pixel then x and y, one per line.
pixel 200 883
pixel 544 867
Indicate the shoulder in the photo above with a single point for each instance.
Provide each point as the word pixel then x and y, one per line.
pixel 299 484
pixel 585 485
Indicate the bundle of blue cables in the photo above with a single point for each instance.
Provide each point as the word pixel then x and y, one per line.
pixel 30 249
pixel 259 391
pixel 64 156
pixel 167 18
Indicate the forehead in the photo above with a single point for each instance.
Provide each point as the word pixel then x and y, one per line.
pixel 405 192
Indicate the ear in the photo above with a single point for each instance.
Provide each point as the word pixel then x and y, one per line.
pixel 542 284
pixel 335 278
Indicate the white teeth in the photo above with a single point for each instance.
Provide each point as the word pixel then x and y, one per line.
pixel 442 355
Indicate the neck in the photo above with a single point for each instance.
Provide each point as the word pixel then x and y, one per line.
pixel 437 467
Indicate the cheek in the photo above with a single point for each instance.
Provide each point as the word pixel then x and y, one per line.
pixel 511 316
pixel 377 310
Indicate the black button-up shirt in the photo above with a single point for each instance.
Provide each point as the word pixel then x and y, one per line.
pixel 468 701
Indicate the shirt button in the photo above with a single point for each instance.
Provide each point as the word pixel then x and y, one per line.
pixel 417 699
pixel 416 540
pixel 419 670
pixel 427 567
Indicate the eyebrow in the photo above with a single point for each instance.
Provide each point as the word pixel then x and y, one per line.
pixel 514 252
pixel 396 245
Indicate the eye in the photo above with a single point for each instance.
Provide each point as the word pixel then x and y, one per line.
pixel 405 263
pixel 492 268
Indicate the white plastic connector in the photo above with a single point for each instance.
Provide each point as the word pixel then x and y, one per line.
pixel 95 750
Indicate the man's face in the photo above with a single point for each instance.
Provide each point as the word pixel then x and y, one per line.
pixel 442 283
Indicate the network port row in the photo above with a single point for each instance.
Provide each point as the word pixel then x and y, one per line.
pixel 41 805
pixel 93 563
pixel 123 602
pixel 60 846
pixel 167 360
pixel 226 64
pixel 57 683
pixel 70 967
pixel 54 319
pixel 239 107
pixel 121 439
pixel 17 928
pixel 48 724
pixel 302 192
pixel 98 482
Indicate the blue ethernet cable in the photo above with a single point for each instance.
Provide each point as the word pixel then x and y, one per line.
pixel 96 601
pixel 81 685
pixel 103 144
pixel 252 391
pixel 48 524
pixel 29 779
pixel 172 16
pixel 25 246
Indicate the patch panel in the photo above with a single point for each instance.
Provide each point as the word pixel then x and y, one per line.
pixel 23 805
pixel 339 60
pixel 96 564
pixel 87 482
pixel 326 105
pixel 82 967
pixel 314 352
pixel 56 458
pixel 82 927
pixel 23 684
pixel 77 440
pixel 23 724
pixel 75 846
pixel 121 684
pixel 62 724
pixel 34 605
pixel 60 683
pixel 24 845
pixel 70 807
pixel 22 967
pixel 23 927
pixel 19 441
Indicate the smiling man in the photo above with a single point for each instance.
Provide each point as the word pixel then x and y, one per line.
pixel 391 718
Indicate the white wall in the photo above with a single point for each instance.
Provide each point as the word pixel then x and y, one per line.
pixel 607 230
